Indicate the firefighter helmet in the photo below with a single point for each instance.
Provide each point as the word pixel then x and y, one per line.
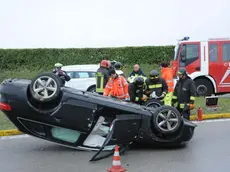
pixel 182 71
pixel 154 73
pixel 58 65
pixel 112 71
pixel 139 81
pixel 118 65
pixel 104 63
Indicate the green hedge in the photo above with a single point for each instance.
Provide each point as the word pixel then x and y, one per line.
pixel 45 58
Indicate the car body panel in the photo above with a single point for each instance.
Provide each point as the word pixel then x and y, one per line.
pixel 79 115
pixel 82 76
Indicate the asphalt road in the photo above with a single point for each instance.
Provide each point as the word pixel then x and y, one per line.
pixel 207 152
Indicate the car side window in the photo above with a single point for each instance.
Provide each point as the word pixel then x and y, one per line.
pixel 226 52
pixel 83 74
pixel 71 74
pixel 92 74
pixel 213 52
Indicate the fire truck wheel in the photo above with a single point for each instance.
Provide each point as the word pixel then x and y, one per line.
pixel 204 87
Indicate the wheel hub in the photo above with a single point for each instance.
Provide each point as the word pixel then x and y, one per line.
pixel 45 87
pixel 201 89
pixel 167 120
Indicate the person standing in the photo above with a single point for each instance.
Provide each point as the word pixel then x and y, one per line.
pixel 102 77
pixel 118 68
pixel 184 94
pixel 167 75
pixel 61 73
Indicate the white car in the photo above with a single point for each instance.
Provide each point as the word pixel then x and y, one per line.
pixel 83 77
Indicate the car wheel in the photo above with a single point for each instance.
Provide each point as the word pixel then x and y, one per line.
pixel 204 87
pixel 154 103
pixel 45 87
pixel 167 120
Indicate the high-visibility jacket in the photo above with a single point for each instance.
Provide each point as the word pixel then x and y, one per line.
pixel 117 87
pixel 102 77
pixel 167 74
pixel 158 85
pixel 184 92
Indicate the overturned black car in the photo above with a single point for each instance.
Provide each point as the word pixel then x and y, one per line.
pixel 42 108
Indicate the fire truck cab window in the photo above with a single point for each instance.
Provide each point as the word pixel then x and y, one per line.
pixel 191 54
pixel 192 51
pixel 226 52
pixel 213 54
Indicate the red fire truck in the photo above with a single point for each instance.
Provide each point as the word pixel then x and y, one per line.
pixel 207 63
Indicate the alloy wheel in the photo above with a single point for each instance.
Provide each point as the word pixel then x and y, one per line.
pixel 167 120
pixel 45 87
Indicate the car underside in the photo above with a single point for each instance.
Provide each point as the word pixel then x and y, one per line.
pixel 42 108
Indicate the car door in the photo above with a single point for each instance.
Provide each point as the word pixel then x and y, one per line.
pixel 81 80
pixel 123 131
pixel 190 57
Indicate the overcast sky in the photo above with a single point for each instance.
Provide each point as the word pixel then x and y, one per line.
pixel 109 23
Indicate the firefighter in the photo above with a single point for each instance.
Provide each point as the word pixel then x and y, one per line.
pixel 167 75
pixel 61 73
pixel 184 94
pixel 117 86
pixel 136 91
pixel 102 77
pixel 118 68
pixel 135 73
pixel 156 84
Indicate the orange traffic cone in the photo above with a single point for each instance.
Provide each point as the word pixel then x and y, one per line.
pixel 116 165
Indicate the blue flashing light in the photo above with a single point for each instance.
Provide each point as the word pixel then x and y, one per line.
pixel 186 38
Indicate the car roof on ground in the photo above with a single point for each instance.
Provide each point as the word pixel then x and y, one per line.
pixel 86 67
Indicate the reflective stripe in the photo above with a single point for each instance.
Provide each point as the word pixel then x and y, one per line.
pixel 136 99
pixel 192 98
pixel 155 86
pixel 116 163
pixel 108 86
pixel 99 82
pixel 122 90
pixel 169 80
pixel 182 105
pixel 174 97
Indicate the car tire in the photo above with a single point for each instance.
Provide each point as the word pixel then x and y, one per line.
pixel 45 93
pixel 154 103
pixel 167 120
pixel 204 87
pixel 92 89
